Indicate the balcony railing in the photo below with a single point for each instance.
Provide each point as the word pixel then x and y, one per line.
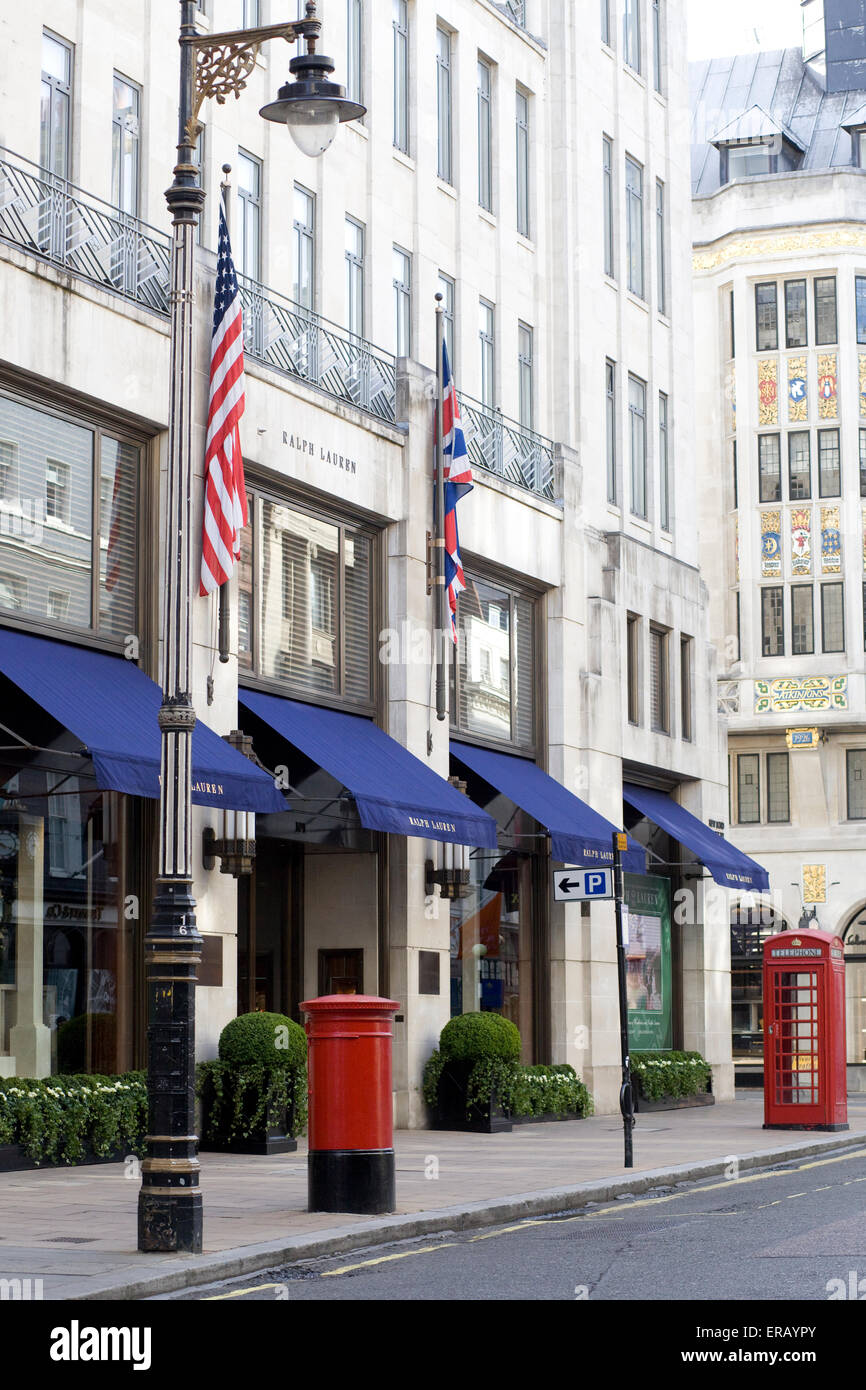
pixel 302 344
pixel 53 219
pixel 508 449
pixel 50 217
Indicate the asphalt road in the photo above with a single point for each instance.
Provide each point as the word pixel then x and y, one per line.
pixel 779 1235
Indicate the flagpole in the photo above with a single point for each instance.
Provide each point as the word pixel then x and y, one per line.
pixel 440 647
pixel 224 603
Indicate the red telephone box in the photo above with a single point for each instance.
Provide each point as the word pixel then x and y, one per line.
pixel 805 1080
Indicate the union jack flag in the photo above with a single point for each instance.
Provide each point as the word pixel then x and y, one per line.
pixel 225 502
pixel 458 481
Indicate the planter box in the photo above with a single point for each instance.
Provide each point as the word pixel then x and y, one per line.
pixel 272 1136
pixel 547 1118
pixel 13 1159
pixel 642 1106
pixel 488 1118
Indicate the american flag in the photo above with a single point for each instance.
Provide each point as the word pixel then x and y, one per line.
pixel 458 481
pixel 225 502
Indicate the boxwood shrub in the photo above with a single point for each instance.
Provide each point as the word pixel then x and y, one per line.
pixel 57 1119
pixel 675 1074
pixel 262 1068
pixel 491 1044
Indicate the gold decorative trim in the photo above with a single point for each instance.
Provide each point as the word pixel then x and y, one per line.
pixel 775 245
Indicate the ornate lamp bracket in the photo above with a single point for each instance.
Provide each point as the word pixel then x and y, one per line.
pixel 223 62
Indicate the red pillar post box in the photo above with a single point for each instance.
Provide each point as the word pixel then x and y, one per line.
pixel 805 1081
pixel 350 1166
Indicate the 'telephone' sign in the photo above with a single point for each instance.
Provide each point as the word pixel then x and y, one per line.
pixel 576 885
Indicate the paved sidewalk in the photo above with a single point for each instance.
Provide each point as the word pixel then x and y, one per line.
pixel 75 1228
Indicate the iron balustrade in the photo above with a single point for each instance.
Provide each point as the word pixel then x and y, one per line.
pixel 507 449
pixel 50 217
pixel 299 342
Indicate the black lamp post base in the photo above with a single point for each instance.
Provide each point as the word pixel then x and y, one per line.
pixel 357 1180
pixel 169 1222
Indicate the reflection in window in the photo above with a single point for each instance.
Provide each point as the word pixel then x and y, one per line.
pixel 305 594
pixel 493 676
pixel 47 544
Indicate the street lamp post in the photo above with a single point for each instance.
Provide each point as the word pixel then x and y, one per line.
pixel 217 65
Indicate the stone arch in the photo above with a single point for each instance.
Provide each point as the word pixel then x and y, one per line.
pixel 852 930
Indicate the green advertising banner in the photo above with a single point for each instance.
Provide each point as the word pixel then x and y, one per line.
pixel 648 962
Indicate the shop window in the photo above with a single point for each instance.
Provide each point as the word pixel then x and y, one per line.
pixel 750 927
pixel 305 599
pixel 494 698
pixel 49 545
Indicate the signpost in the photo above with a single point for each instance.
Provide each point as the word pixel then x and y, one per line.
pixel 576 885
pixel 626 1100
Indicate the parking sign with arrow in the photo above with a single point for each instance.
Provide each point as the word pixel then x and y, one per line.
pixel 576 885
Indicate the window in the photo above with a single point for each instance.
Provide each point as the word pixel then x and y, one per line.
pixel 863 463
pixel 199 162
pixel 8 470
pixel 766 319
pixel 245 15
pixel 686 688
pixel 443 104
pixel 802 620
pixel 799 466
pixel 403 302
pixel 795 313
pixel 400 22
pixel 661 248
pixel 487 343
pixel 304 257
pixel 855 769
pixel 447 291
pixel 734 470
pixel 733 339
pixel 634 225
pixel 657 45
pixel 864 614
pixel 631 34
pixel 353 50
pixel 125 145
pixel 485 165
pixel 632 654
pixel 355 277
pixel 248 236
pixel 607 195
pixel 860 298
pixel 769 468
pixel 637 431
pixel 778 794
pixel 825 309
pixel 524 376
pixel 664 465
pixel 829 464
pixel 306 601
pixel 772 621
pixel 55 106
pixel 610 428
pixel 832 618
pixel 605 22
pixel 75 532
pixel 659 695
pixel 493 679
pixel 748 789
pixel 522 139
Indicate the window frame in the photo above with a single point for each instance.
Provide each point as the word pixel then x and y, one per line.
pixel 661 251
pixel 659 665
pixel 63 90
pixel 447 287
pixel 860 307
pixel 664 466
pixel 444 108
pixel 742 758
pixel 833 584
pixel 526 374
pixel 609 220
pixel 658 68
pixel 633 669
pixel 515 593
pixel 638 414
pixel 631 46
pixel 354 51
pixel 400 28
pixel 767 590
pixel 823 435
pixel 484 132
pixel 819 340
pixel 790 340
pixel 402 301
pixel 774 345
pixel 763 474
pixel 784 758
pixel 686 692
pixel 849 754
pixel 796 495
pixel 610 384
pixel 634 220
pixel 487 348
pixel 304 239
pixel 260 491
pixel 250 214
pixel 522 162
pixel 795 590
pixel 355 272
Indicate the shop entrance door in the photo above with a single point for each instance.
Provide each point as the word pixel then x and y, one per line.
pixel 265 905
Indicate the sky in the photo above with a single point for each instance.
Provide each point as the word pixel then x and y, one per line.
pixel 717 29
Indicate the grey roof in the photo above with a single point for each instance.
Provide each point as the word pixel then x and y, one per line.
pixel 786 90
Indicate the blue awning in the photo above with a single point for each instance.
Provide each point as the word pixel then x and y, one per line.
pixel 727 864
pixel 394 791
pixel 578 834
pixel 112 707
